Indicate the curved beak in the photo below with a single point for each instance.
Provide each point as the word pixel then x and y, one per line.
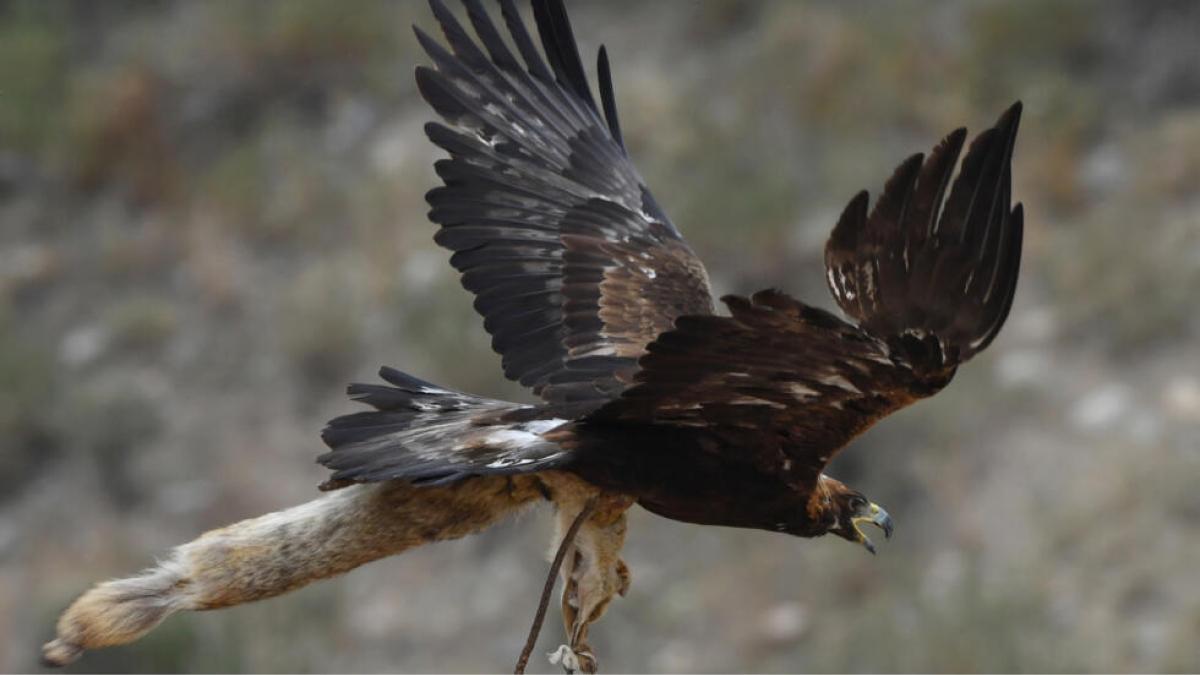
pixel 875 515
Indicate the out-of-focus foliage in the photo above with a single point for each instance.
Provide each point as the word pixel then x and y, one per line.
pixel 211 218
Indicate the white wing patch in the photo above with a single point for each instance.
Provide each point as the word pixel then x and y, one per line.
pixel 522 435
pixel 511 439
pixel 505 462
pixel 542 426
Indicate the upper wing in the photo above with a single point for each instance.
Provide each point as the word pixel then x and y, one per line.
pixel 574 266
pixel 789 384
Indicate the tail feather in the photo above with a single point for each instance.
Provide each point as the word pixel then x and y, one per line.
pixel 424 434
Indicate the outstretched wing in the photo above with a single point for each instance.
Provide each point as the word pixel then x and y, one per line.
pixel 574 266
pixel 940 288
pixel 789 384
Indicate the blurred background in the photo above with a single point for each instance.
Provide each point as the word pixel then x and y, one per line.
pixel 211 220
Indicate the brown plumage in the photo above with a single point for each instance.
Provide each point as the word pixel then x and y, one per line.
pixel 594 300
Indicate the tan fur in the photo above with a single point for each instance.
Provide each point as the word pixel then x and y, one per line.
pixel 593 572
pixel 279 552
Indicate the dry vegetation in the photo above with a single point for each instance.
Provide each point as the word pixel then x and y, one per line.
pixel 211 218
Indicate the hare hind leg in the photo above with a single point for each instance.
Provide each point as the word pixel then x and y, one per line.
pixel 593 572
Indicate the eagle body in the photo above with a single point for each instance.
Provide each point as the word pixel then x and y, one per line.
pixel 649 393
pixel 680 475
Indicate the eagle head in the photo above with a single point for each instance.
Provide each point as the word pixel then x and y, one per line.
pixel 846 510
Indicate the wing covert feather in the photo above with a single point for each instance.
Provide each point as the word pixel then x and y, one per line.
pixel 788 384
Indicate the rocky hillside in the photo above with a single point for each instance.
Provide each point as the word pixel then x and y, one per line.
pixel 211 219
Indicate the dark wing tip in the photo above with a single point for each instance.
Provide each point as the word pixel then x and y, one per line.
pixel 1012 115
pixel 516 28
pixel 957 275
pixel 905 176
pixel 853 219
pixel 607 97
pixel 1008 124
pixel 911 163
pixel 1006 128
pixel 979 187
pixel 422 37
pixel 1000 304
pixel 860 200
pixel 956 138
pixel 558 42
pixel 888 213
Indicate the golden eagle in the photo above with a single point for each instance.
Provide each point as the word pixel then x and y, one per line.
pixel 595 302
